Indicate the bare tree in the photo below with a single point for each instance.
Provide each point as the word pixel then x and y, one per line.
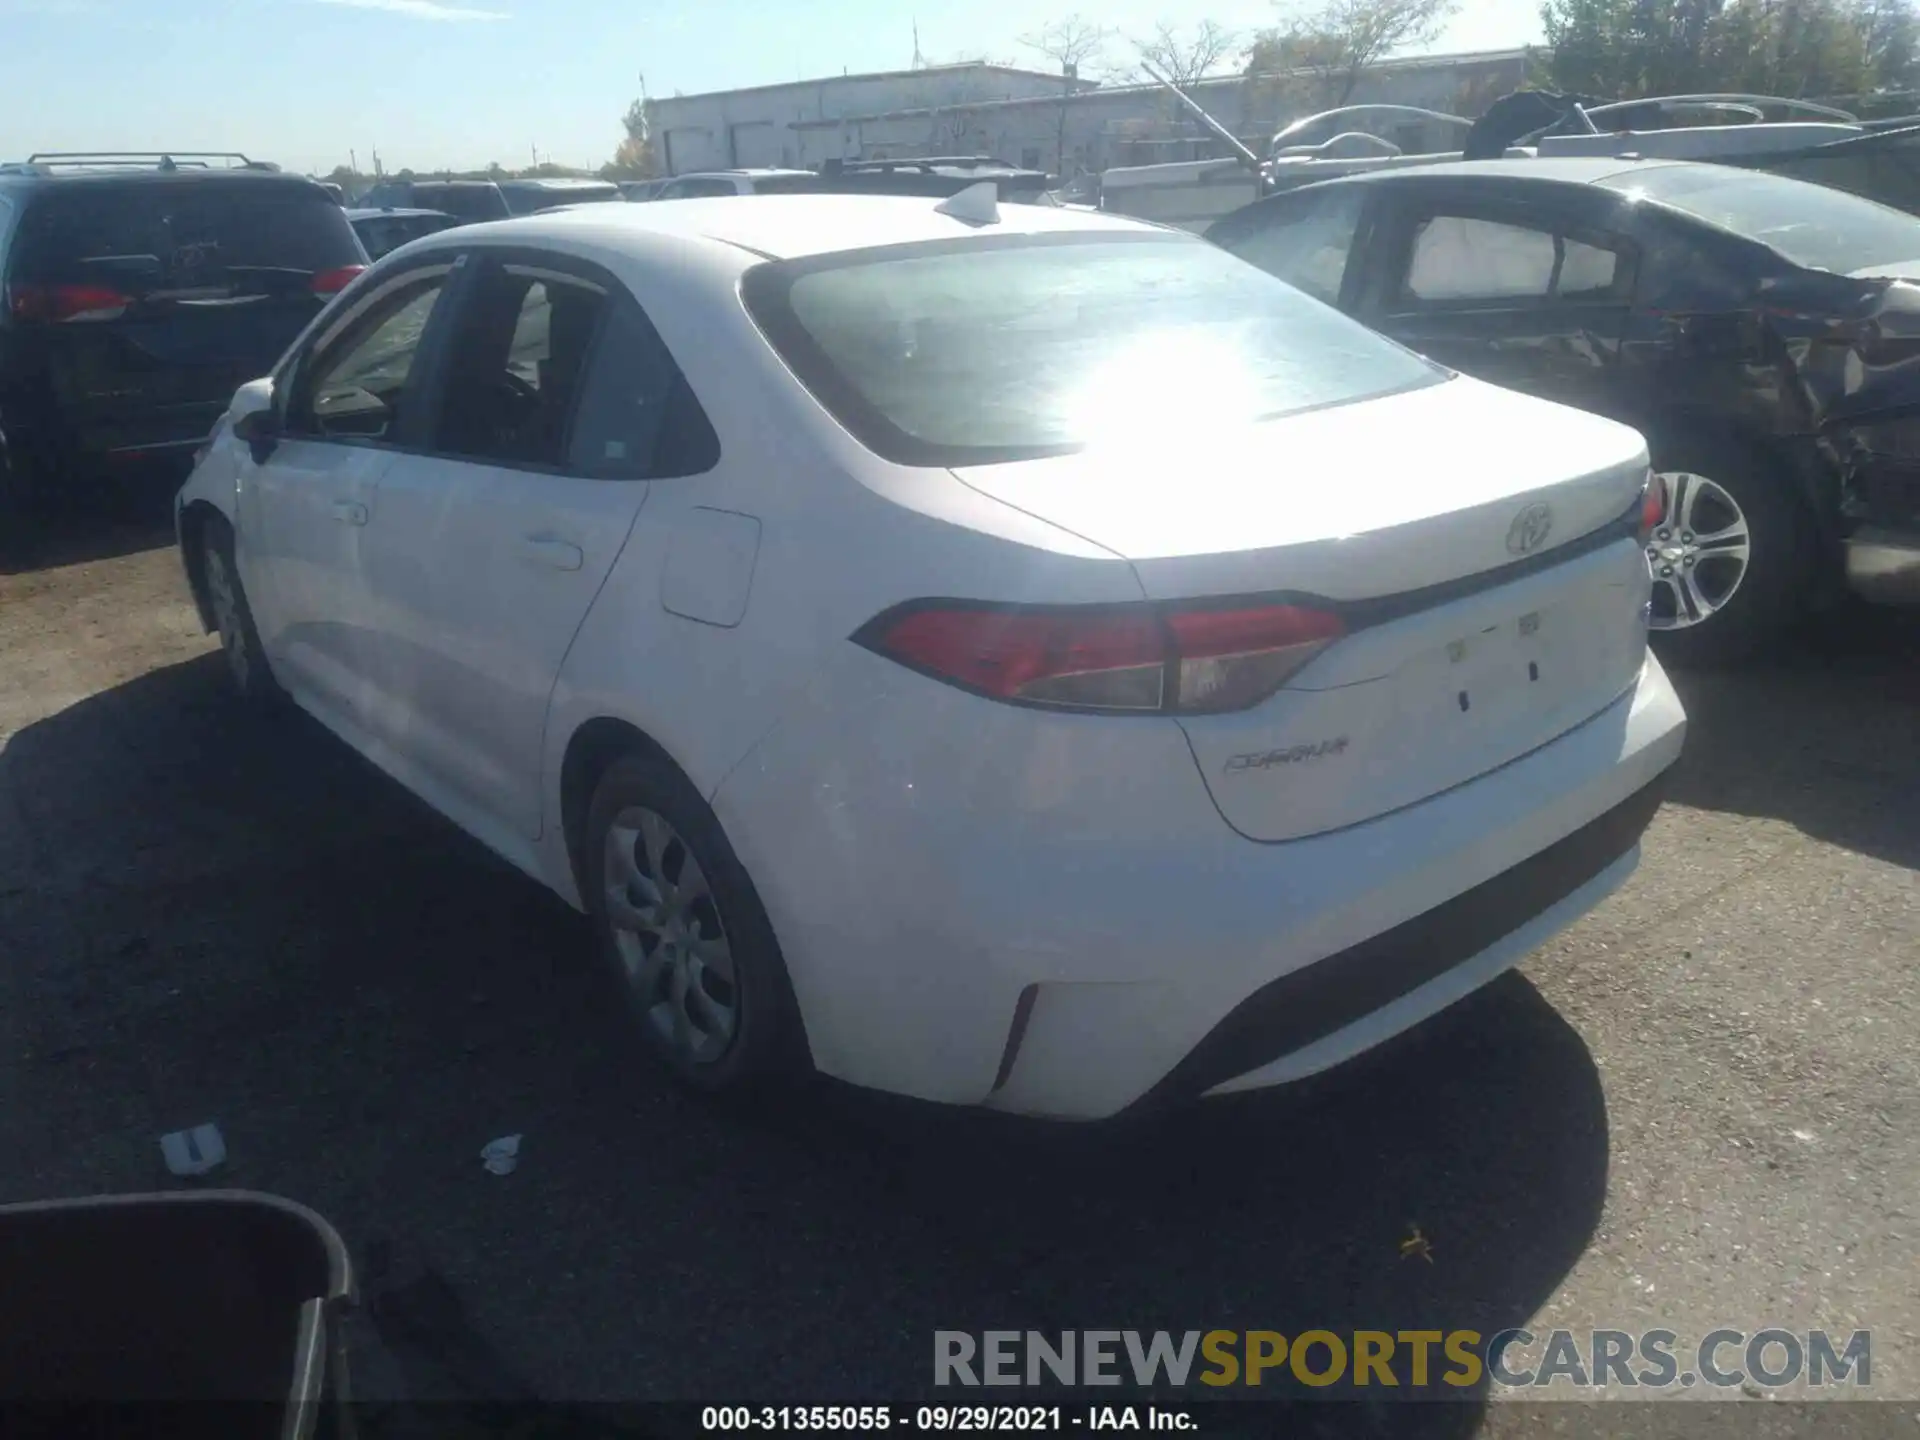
pixel 1186 56
pixel 1076 45
pixel 1340 40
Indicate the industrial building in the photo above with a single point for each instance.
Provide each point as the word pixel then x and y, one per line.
pixel 1035 118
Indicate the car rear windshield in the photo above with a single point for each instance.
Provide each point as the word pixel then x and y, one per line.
pixel 1812 225
pixel 188 237
pixel 977 351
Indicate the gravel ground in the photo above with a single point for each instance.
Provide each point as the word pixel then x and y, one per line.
pixel 1696 1108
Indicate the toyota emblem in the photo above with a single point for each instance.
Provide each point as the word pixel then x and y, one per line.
pixel 1530 529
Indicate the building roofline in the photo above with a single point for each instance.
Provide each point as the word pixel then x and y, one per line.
pixel 1109 91
pixel 948 69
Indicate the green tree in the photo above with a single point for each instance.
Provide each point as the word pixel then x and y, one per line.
pixel 635 158
pixel 1791 48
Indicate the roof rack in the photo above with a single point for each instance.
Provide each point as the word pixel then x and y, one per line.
pixel 47 162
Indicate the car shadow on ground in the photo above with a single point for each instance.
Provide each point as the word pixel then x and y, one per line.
pixel 215 918
pixel 1824 734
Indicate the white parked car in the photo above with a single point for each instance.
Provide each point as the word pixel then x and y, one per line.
pixel 1017 657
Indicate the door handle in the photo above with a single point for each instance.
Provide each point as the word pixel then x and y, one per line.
pixel 349 512
pixel 551 551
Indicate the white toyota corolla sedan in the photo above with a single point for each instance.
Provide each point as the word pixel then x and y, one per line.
pixel 1009 656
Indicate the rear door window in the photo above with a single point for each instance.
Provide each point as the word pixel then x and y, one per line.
pixel 1457 259
pixel 516 360
pixel 190 241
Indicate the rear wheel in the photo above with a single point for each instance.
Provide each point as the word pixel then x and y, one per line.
pixel 684 932
pixel 1732 560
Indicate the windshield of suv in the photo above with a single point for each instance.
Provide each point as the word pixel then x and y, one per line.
pixel 988 351
pixel 1812 225
pixel 194 237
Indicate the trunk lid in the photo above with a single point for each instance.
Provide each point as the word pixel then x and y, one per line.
pixel 1476 541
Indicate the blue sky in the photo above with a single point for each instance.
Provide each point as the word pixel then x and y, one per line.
pixel 463 82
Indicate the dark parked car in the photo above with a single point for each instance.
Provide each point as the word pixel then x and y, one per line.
pixel 139 292
pixel 529 197
pixel 469 201
pixel 382 231
pixel 1763 333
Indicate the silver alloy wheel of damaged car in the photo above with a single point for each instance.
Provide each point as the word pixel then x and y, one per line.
pixel 1699 553
pixel 671 941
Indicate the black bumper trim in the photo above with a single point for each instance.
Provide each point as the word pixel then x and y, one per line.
pixel 1313 1002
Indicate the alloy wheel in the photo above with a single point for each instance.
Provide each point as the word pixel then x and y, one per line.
pixel 1698 554
pixel 671 941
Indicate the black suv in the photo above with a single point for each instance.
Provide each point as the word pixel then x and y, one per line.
pixel 137 292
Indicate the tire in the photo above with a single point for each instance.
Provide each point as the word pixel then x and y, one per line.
pixel 691 949
pixel 1716 602
pixel 246 657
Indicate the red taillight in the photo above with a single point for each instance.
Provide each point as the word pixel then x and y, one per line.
pixel 58 304
pixel 1123 657
pixel 1653 506
pixel 1109 659
pixel 332 282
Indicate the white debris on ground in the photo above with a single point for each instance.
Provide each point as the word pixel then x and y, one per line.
pixel 501 1156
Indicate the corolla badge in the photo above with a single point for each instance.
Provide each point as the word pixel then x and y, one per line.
pixel 1530 529
pixel 1292 755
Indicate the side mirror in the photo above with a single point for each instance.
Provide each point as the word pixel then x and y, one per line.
pixel 254 421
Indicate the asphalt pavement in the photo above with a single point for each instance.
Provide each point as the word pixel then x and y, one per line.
pixel 1696 1108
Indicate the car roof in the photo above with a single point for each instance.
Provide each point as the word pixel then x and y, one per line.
pixel 787 227
pixel 1574 170
pixel 86 180
pixel 749 173
pixel 362 213
pixel 558 182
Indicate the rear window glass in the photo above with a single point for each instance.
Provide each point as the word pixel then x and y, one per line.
pixel 384 233
pixel 188 237
pixel 944 354
pixel 1811 225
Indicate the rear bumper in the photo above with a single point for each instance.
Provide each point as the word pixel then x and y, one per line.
pixel 1884 565
pixel 1293 1026
pixel 1044 914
